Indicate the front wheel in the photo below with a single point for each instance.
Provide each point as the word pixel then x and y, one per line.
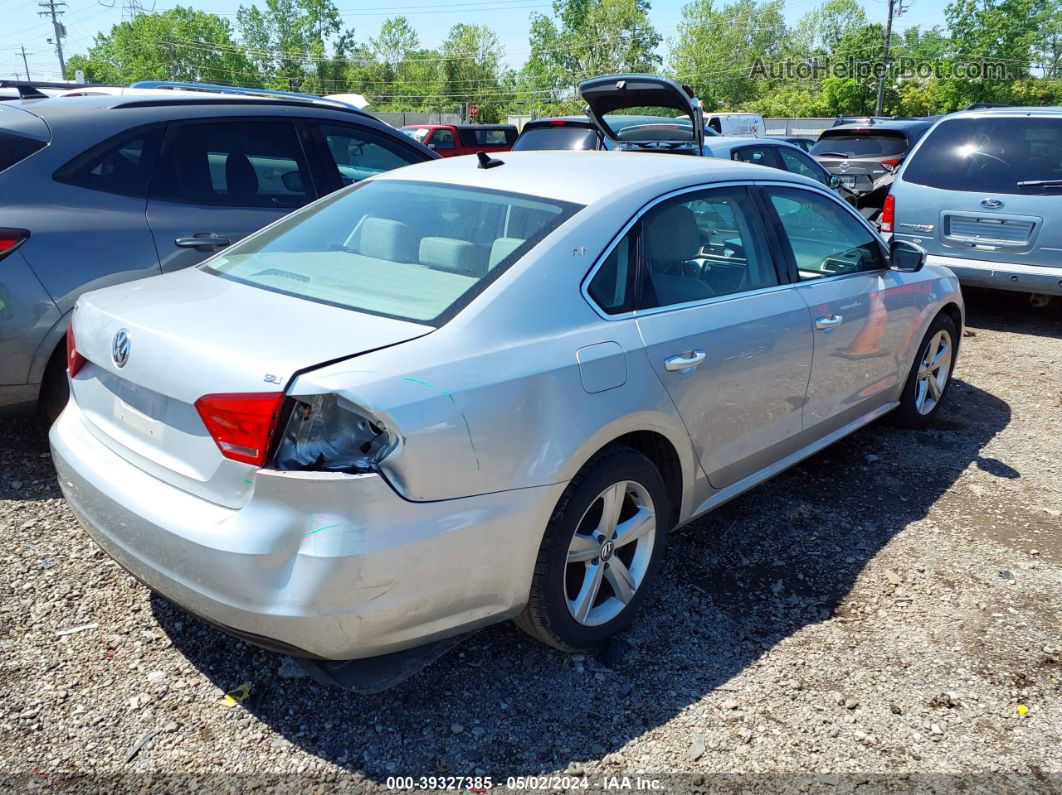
pixel 600 552
pixel 930 376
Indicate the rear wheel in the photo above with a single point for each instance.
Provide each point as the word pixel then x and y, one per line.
pixel 600 552
pixel 930 376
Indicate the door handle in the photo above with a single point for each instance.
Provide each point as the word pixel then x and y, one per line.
pixel 203 241
pixel 824 323
pixel 684 361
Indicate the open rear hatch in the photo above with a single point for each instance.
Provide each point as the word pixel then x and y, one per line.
pixel 156 347
pixel 645 112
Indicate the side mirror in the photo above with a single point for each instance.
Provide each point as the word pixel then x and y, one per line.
pixel 906 257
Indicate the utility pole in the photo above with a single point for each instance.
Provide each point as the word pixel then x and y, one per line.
pixel 25 63
pixel 895 9
pixel 53 9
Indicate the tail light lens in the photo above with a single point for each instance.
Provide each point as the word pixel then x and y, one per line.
pixel 10 239
pixel 891 165
pixel 888 212
pixel 242 425
pixel 328 433
pixel 74 360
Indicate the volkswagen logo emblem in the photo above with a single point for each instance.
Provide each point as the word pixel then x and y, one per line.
pixel 607 549
pixel 844 167
pixel 120 348
pixel 991 204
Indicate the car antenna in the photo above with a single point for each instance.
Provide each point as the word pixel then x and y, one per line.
pixel 485 161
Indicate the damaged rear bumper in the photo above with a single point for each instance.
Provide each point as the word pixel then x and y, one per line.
pixel 328 565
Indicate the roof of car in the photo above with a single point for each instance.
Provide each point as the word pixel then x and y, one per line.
pixel 144 98
pixel 881 124
pixel 728 142
pixel 585 177
pixel 1045 110
pixel 559 120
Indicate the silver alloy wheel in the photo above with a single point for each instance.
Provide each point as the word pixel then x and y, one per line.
pixel 610 552
pixel 933 372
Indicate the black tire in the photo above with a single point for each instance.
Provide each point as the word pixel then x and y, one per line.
pixel 909 414
pixel 55 389
pixel 547 615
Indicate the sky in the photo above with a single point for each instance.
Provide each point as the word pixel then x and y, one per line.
pixel 509 18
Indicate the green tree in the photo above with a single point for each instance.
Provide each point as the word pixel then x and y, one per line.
pixel 288 42
pixel 178 44
pixel 472 73
pixel 718 50
pixel 584 39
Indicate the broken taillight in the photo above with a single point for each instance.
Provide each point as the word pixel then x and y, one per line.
pixel 328 433
pixel 74 360
pixel 242 424
pixel 891 165
pixel 888 213
pixel 10 239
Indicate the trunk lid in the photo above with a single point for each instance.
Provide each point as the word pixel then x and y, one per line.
pixel 645 112
pixel 192 334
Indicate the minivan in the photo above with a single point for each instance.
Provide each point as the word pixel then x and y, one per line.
pixel 982 194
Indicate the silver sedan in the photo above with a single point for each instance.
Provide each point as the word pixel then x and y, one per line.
pixel 474 390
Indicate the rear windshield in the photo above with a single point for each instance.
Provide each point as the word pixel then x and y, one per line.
pixel 558 137
pixel 860 143
pixel 991 155
pixel 415 251
pixel 648 124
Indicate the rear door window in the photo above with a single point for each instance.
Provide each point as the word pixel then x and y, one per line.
pixel 353 154
pixel 991 155
pixel 234 164
pixel 761 155
pixel 119 166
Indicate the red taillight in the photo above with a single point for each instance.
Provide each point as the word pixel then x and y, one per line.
pixel 74 360
pixel 242 424
pixel 888 211
pixel 10 239
pixel 891 165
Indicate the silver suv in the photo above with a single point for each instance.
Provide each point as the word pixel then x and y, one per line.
pixel 97 190
pixel 982 194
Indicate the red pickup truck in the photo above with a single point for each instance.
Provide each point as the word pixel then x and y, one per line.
pixel 450 140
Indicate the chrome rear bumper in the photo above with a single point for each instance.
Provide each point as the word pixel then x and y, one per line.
pixel 1003 275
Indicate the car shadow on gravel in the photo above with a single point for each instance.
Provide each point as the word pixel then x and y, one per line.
pixel 26 471
pixel 756 571
pixel 1012 313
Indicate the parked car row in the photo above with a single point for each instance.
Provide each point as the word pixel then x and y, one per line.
pixel 432 394
pixel 980 195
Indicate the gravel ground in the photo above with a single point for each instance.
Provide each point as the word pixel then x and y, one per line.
pixel 891 606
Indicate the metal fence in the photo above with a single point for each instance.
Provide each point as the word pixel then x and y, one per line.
pixel 401 118
pixel 808 127
pixel 773 126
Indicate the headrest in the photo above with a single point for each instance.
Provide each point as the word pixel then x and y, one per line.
pixel 671 235
pixel 451 254
pixel 241 180
pixel 502 248
pixel 385 238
